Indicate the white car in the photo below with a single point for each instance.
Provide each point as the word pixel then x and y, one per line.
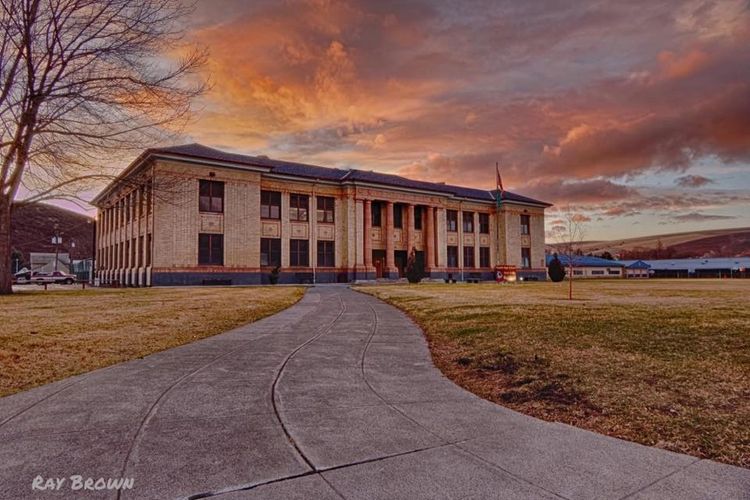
pixel 58 277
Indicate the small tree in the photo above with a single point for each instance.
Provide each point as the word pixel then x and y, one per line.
pixel 556 270
pixel 568 234
pixel 414 268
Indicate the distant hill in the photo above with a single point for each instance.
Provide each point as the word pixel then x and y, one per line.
pixel 733 242
pixel 33 225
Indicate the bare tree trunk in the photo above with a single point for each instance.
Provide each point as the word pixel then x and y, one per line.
pixel 570 281
pixel 6 273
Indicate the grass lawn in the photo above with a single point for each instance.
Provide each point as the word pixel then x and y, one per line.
pixel 663 363
pixel 47 336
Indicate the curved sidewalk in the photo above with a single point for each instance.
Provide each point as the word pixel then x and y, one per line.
pixel 335 397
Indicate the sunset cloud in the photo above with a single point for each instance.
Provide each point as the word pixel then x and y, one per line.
pixel 693 181
pixel 574 100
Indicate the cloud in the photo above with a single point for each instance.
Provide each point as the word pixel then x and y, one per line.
pixel 579 192
pixel 699 217
pixel 574 100
pixel 693 181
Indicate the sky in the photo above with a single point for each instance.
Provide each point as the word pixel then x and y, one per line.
pixel 636 113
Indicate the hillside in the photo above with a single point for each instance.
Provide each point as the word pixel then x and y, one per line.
pixel 33 225
pixel 734 242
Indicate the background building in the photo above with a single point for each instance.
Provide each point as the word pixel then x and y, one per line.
pixel 591 267
pixel 196 215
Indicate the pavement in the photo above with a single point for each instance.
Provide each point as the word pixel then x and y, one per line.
pixel 335 397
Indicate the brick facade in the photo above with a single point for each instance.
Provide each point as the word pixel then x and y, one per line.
pixel 150 222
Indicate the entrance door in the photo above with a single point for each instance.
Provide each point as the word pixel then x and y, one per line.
pixel 401 257
pixel 378 260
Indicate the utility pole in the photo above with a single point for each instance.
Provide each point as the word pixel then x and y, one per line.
pixel 56 240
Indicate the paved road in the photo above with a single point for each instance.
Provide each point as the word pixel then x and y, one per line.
pixel 335 397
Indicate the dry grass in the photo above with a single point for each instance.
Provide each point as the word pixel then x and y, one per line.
pixel 53 335
pixel 664 363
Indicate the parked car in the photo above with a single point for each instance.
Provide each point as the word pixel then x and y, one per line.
pixel 23 276
pixel 58 277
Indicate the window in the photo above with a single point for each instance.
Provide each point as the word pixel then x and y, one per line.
pixel 139 254
pixel 326 255
pixel 298 204
pixel 452 256
pixel 376 214
pixel 525 224
pixel 468 219
pixel 326 209
pixel 141 200
pixel 211 249
pixel 613 271
pixel 149 195
pixel 576 272
pixel 468 256
pixel 133 252
pixel 270 252
pixel 451 218
pixel 299 253
pixel 484 256
pixel 398 216
pixel 211 196
pixel 270 205
pixel 526 258
pixel 484 223
pixel 148 250
pixel 418 218
pixel 597 272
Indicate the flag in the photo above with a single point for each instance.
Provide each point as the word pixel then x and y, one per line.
pixel 499 180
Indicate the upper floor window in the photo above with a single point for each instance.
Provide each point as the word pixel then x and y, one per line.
pixel 468 219
pixel 526 257
pixel 211 249
pixel 298 204
pixel 376 214
pixel 398 216
pixel 211 196
pixel 326 209
pixel 525 224
pixel 418 218
pixel 451 219
pixel 270 205
pixel 484 223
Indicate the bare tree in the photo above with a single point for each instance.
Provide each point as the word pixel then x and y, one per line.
pixel 82 84
pixel 568 233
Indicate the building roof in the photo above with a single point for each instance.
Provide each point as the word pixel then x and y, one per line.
pixel 586 261
pixel 638 264
pixel 279 167
pixel 691 265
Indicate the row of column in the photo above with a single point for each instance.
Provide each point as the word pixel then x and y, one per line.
pixel 429 246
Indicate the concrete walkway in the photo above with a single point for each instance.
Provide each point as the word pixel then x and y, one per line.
pixel 335 397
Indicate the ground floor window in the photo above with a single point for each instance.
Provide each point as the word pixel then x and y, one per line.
pixel 299 253
pixel 484 256
pixel 526 258
pixel 211 249
pixel 469 256
pixel 326 254
pixel 270 252
pixel 452 256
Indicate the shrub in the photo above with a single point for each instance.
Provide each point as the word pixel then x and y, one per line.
pixel 274 277
pixel 414 269
pixel 556 270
